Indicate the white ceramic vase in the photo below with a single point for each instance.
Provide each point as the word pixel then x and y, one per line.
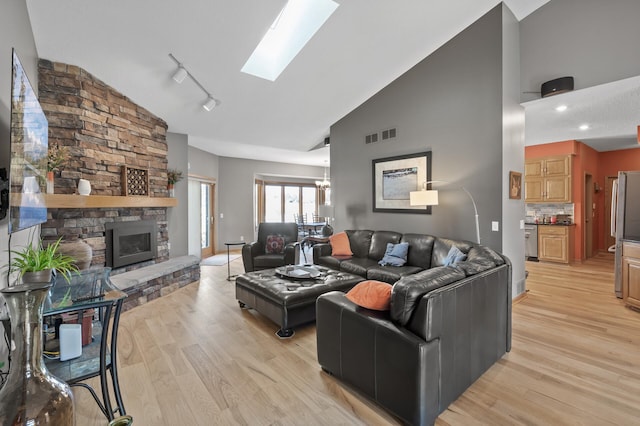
pixel 84 187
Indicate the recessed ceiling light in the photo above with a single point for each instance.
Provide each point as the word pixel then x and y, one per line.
pixel 294 26
pixel 561 108
pixel 584 127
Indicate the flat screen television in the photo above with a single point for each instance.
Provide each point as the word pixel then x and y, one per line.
pixel 29 142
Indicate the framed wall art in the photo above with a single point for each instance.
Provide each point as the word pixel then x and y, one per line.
pixel 395 177
pixel 515 185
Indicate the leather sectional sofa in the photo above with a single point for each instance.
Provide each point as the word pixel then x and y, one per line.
pixel 446 326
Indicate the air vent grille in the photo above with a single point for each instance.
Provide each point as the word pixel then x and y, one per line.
pixel 380 136
pixel 372 138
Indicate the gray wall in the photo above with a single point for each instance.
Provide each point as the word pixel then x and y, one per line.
pixel 513 211
pixel 15 32
pixel 236 196
pixel 178 227
pixel 594 41
pixel 451 104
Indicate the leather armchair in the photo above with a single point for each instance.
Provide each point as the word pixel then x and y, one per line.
pixel 254 254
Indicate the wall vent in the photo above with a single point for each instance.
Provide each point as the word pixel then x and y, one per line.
pixel 381 136
pixel 389 134
pixel 372 138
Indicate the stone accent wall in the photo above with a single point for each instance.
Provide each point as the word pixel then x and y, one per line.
pixel 103 131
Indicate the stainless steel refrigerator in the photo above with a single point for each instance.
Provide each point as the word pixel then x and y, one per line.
pixel 625 225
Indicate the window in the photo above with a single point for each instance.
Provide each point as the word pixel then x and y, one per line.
pixel 273 203
pixel 279 202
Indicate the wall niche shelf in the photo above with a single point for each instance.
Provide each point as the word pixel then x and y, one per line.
pixel 73 201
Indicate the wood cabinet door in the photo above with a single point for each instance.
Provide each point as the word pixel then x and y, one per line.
pixel 631 281
pixel 533 189
pixel 553 247
pixel 557 189
pixel 557 166
pixel 533 168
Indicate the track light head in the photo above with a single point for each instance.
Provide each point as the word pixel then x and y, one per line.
pixel 180 74
pixel 210 104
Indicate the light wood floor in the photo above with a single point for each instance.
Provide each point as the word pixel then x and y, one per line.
pixel 193 357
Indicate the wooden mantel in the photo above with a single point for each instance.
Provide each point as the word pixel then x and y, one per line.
pixel 72 201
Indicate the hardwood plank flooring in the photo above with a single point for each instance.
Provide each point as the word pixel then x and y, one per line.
pixel 194 357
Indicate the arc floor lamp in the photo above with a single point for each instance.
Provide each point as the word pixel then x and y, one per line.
pixel 429 197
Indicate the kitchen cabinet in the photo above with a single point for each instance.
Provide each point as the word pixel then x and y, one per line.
pixel 548 179
pixel 631 273
pixel 555 243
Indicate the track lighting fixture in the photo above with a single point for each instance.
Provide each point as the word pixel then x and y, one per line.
pixel 210 104
pixel 182 73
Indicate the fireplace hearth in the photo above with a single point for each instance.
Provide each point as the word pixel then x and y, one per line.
pixel 130 242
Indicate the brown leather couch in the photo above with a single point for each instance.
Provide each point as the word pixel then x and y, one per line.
pixel 254 256
pixel 447 325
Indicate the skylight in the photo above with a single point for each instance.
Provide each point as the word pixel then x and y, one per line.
pixel 292 29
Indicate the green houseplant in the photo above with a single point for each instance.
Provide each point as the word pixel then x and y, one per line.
pixel 173 176
pixel 35 263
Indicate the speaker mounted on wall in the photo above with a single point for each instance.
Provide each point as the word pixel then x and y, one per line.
pixel 556 86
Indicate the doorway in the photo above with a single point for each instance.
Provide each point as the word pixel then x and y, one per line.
pixel 207 219
pixel 609 241
pixel 588 216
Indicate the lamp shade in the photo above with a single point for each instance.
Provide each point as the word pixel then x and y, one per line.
pixel 423 198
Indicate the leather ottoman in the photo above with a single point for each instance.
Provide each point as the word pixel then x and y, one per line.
pixel 286 301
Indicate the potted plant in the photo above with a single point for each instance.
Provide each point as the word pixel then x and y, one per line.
pixel 35 263
pixel 56 158
pixel 173 176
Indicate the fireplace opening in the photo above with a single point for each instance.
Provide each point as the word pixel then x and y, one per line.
pixel 130 242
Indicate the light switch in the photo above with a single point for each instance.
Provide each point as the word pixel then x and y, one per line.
pixel 495 226
pixel 522 224
pixel 221 215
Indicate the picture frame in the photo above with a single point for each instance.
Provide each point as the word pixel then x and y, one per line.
pixel 515 185
pixel 395 177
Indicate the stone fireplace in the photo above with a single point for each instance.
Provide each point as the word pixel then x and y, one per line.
pixel 103 131
pixel 128 243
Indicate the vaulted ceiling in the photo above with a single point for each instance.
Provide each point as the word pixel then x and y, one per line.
pixel 363 46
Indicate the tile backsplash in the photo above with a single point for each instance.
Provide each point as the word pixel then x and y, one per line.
pixel 541 210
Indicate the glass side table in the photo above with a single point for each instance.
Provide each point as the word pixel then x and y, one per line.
pixel 90 289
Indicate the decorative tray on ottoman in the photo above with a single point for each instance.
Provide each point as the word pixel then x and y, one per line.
pixel 298 272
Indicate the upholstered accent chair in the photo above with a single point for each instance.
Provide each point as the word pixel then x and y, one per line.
pixel 277 245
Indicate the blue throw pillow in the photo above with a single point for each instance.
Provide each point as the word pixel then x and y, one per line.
pixel 395 255
pixel 454 256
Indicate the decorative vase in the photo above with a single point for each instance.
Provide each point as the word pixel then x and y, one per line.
pixel 31 394
pixel 84 187
pixel 172 191
pixel 79 250
pixel 49 182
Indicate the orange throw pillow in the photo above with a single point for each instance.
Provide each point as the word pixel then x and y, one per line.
pixel 371 294
pixel 340 244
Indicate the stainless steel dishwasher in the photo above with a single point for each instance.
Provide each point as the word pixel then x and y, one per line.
pixel 531 241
